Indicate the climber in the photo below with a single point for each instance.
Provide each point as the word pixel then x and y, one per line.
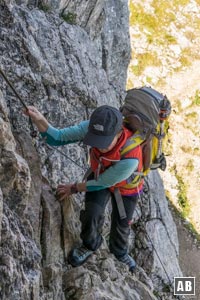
pixel 110 178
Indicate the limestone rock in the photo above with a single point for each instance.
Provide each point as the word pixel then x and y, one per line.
pixel 66 70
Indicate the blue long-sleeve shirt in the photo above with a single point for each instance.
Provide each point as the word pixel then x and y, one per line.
pixel 114 174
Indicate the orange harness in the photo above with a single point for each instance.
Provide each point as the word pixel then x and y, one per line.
pixel 101 161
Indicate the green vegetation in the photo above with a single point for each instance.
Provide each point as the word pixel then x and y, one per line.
pixel 166 288
pixel 155 24
pixel 156 293
pixel 193 116
pixel 146 59
pixel 45 7
pixel 186 53
pixel 196 151
pixel 70 18
pixel 186 149
pixel 150 21
pixel 185 58
pixel 179 106
pixel 182 196
pixel 129 84
pixel 180 2
pixel 189 225
pixel 192 229
pixel 170 39
pixel 149 80
pixel 190 165
pixel 191 121
pixel 160 83
pixel 196 100
pixel 167 144
pixel 172 169
pixel 185 61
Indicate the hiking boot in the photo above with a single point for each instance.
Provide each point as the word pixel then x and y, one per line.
pixel 129 261
pixel 78 256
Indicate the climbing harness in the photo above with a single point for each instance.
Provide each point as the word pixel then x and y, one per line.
pixel 33 132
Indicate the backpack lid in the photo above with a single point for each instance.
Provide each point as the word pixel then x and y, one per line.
pixel 144 104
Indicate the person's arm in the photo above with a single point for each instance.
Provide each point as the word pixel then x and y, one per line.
pixel 116 173
pixel 113 175
pixel 72 134
pixel 54 136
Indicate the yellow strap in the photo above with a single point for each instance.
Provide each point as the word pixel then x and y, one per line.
pixel 133 183
pixel 132 142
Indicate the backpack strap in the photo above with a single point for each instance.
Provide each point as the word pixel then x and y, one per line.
pixel 131 143
pixel 120 204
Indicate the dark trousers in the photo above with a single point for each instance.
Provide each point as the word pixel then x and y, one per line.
pixel 92 219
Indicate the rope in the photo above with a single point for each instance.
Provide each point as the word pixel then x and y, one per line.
pixel 13 89
pixel 33 131
pixel 61 152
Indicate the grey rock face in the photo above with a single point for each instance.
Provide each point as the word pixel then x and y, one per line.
pixel 1 210
pixel 157 241
pixel 67 70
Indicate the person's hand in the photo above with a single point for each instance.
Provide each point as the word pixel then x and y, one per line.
pixel 33 113
pixel 63 191
pixel 37 118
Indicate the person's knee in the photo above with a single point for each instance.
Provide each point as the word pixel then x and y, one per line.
pixel 91 216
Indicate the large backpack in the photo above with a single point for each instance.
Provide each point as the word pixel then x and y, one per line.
pixel 145 111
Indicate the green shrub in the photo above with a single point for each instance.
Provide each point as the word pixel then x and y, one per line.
pixel 45 7
pixel 149 79
pixel 196 100
pixel 190 165
pixel 170 39
pixel 182 196
pixel 70 18
pixel 192 116
pixel 185 61
pixel 186 149
pixel 196 151
pixel 179 106
pixel 140 17
pixel 145 60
